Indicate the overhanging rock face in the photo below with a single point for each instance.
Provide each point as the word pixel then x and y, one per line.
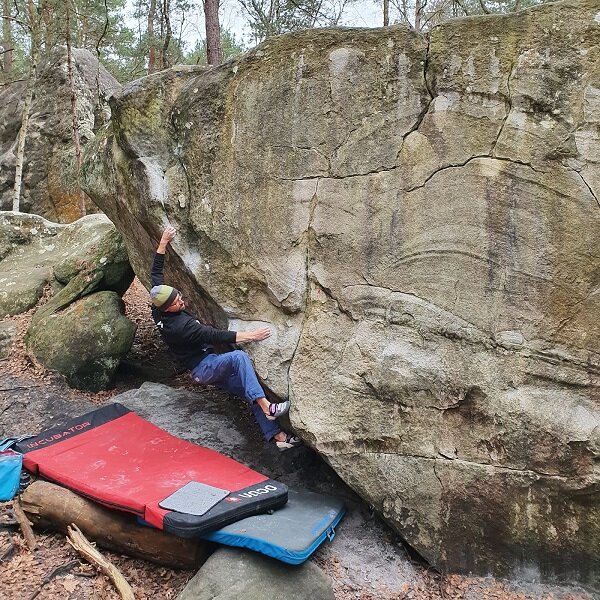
pixel 418 218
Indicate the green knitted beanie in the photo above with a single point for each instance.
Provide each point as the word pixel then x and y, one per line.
pixel 163 296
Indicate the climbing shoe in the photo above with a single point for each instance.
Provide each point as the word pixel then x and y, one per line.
pixel 278 410
pixel 291 441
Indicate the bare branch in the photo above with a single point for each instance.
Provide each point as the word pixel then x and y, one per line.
pixel 461 4
pixel 14 20
pixel 440 10
pixel 25 525
pixel 89 552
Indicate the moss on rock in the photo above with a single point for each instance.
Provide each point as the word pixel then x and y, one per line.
pixel 85 342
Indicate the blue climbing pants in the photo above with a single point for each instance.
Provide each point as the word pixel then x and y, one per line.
pixel 234 373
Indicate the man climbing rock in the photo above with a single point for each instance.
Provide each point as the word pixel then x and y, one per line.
pixel 192 343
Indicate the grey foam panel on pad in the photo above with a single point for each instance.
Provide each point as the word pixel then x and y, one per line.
pixel 194 498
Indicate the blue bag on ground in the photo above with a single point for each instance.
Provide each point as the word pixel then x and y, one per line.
pixel 10 474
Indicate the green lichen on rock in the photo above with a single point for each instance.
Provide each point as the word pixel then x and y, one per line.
pixel 146 106
pixel 85 342
pixel 27 253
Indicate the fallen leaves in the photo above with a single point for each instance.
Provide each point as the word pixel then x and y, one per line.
pixel 56 572
pixel 69 583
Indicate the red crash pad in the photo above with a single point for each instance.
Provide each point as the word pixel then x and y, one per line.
pixel 115 457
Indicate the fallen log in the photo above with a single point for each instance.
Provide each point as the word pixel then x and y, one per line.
pixel 50 506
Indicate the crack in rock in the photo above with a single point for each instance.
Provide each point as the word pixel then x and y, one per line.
pixel 437 475
pixel 444 460
pixel 472 158
pixel 309 232
pixel 508 100
pixel 588 187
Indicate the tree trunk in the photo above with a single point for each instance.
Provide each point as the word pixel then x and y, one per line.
pixel 386 13
pixel 168 34
pixel 74 120
pixel 7 40
pixel 418 9
pixel 214 51
pixel 49 34
pixel 27 107
pixel 151 41
pixel 52 507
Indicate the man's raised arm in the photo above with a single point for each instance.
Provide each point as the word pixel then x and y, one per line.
pixel 156 274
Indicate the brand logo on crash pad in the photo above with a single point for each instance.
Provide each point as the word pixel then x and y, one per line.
pixel 57 436
pixel 262 490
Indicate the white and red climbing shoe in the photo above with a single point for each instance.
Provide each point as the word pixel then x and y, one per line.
pixel 277 410
pixel 291 441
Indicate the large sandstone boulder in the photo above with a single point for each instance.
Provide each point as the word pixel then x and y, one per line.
pixel 418 219
pixel 49 186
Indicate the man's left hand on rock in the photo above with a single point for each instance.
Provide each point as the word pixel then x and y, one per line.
pixel 262 333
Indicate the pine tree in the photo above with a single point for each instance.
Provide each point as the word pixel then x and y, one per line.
pixel 7 38
pixel 214 51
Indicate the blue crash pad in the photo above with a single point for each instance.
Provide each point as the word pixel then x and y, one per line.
pixel 290 534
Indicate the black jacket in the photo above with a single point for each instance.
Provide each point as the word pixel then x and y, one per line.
pixel 186 337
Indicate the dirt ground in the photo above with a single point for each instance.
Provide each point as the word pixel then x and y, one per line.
pixel 367 561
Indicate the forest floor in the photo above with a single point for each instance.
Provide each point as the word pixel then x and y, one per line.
pixel 366 561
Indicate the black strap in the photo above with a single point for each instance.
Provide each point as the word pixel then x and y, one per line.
pixel 9 442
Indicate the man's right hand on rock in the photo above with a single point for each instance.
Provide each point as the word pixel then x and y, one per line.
pixel 166 238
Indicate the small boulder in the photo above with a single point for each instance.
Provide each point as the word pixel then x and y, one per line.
pixel 231 574
pixel 94 258
pixel 84 260
pixel 86 341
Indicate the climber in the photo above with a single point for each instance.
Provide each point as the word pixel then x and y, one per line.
pixel 192 344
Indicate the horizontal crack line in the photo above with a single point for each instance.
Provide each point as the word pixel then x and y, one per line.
pixel 443 460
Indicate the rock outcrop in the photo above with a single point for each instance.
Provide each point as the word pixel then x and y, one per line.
pixel 417 217
pixel 232 573
pixel 84 260
pixel 49 186
pixel 85 342
pixel 71 261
